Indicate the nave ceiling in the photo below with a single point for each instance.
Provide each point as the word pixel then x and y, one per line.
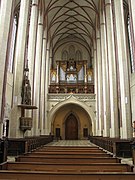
pixel 70 21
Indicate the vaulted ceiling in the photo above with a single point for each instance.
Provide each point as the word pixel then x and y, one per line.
pixel 71 20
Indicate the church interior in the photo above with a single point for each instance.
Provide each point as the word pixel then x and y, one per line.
pixel 67 89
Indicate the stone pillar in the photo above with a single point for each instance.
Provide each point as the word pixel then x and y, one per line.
pixel 5 16
pixel 99 84
pixel 114 130
pixel 42 97
pixel 46 89
pixel 32 40
pixel 132 87
pixel 19 65
pixel 96 89
pixel 37 75
pixel 106 98
pixel 126 131
pixel 132 21
pixel 132 11
pixel 32 48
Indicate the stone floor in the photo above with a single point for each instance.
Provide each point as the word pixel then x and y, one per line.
pixel 71 143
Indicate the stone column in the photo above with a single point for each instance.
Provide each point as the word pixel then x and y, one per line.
pixel 132 11
pixel 100 85
pixel 96 88
pixel 42 97
pixel 46 89
pixel 19 65
pixel 132 21
pixel 32 40
pixel 114 130
pixel 126 131
pixel 32 49
pixel 106 98
pixel 132 87
pixel 37 75
pixel 5 15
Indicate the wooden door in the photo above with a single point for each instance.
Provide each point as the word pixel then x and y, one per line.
pixel 71 128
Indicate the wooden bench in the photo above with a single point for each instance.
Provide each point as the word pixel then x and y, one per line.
pixel 95 167
pixel 119 147
pixel 81 156
pixel 67 165
pixel 67 160
pixel 69 150
pixel 42 153
pixel 17 146
pixel 133 151
pixel 34 175
pixel 1 150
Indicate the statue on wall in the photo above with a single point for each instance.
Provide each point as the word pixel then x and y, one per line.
pixel 26 88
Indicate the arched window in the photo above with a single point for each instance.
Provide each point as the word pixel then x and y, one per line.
pixel 131 50
pixel 12 44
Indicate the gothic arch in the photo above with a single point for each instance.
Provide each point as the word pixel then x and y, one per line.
pixel 78 55
pixel 71 52
pixel 72 100
pixel 64 55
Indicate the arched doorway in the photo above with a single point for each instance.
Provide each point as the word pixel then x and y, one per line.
pixel 71 128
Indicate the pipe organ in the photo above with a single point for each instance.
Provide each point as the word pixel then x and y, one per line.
pixel 71 77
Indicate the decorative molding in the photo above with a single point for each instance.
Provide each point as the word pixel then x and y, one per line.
pixel 80 97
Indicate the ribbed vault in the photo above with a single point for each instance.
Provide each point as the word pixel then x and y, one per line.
pixel 71 21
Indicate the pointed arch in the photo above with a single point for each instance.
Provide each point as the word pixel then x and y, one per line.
pixel 78 55
pixel 74 101
pixel 64 55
